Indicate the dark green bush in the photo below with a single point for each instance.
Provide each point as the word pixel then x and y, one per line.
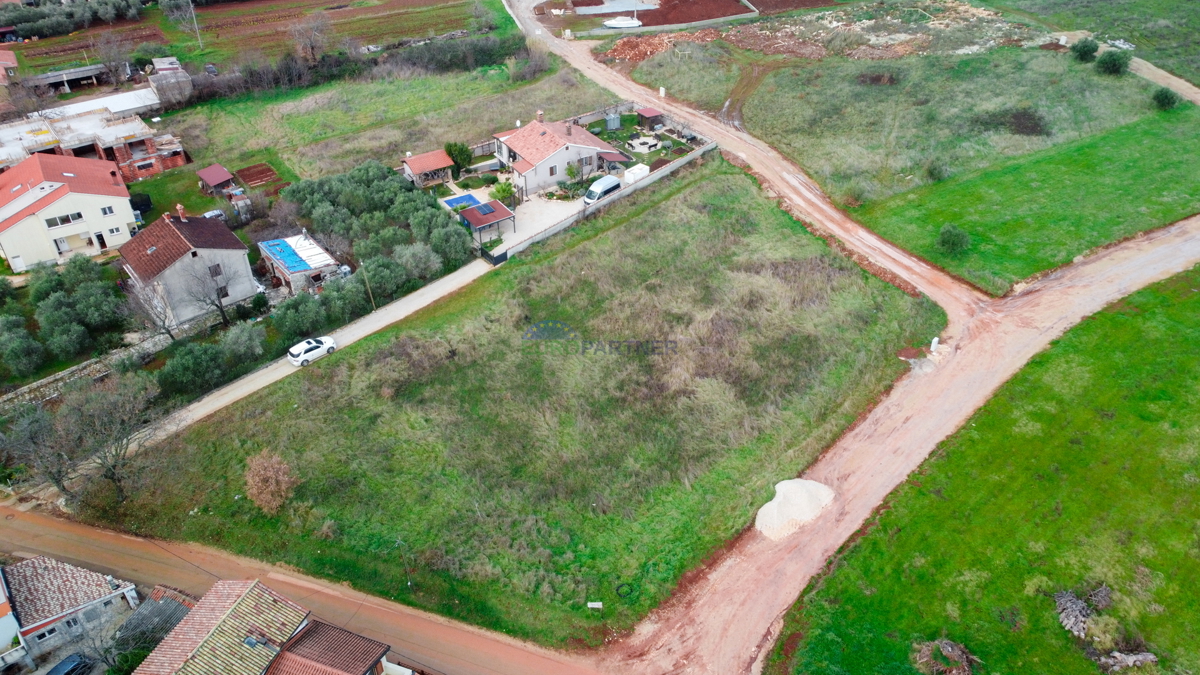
pixel 489 179
pixel 1114 62
pixel 260 303
pixel 194 369
pixel 299 316
pixel 1165 99
pixel 952 240
pixel 1085 50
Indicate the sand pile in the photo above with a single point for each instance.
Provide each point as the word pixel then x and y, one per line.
pixel 796 502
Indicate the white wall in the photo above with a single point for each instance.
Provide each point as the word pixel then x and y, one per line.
pixel 539 178
pixel 33 241
pixel 177 280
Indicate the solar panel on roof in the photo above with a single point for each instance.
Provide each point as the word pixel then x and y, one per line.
pixel 486 209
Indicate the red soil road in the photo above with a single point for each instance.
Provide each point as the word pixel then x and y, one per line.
pixel 417 638
pixel 725 619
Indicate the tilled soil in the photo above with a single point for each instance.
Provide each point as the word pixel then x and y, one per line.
pixel 751 37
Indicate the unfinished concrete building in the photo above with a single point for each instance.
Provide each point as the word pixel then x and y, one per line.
pixel 138 150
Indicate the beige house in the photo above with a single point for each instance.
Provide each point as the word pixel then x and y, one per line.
pixel 190 264
pixel 56 206
pixel 540 152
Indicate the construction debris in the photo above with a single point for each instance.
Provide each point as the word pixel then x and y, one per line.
pixel 638 48
pixel 943 657
pixel 1073 613
pixel 1117 661
pixel 1101 598
pixel 781 42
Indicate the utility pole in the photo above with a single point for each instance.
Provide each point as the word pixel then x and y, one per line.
pixel 195 24
pixel 370 295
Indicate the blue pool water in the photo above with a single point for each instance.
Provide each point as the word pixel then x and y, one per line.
pixel 465 200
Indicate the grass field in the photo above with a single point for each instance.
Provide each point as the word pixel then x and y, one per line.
pixel 702 74
pixel 1082 470
pixel 179 186
pixel 1164 31
pixel 334 127
pixel 235 30
pixel 1037 212
pixel 524 482
pixel 943 116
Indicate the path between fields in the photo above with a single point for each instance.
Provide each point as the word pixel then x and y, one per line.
pixel 725 619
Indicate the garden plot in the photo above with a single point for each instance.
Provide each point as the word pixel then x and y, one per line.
pixel 528 477
pixel 1080 476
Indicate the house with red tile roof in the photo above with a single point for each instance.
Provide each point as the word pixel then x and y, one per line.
pixel 53 207
pixel 540 152
pixel 427 168
pixel 55 602
pixel 237 628
pixel 12 643
pixel 188 264
pixel 324 649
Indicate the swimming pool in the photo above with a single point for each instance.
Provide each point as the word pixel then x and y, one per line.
pixel 465 200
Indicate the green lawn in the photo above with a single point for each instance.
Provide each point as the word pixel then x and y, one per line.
pixel 1164 31
pixel 515 484
pixel 334 127
pixel 1082 470
pixel 1037 212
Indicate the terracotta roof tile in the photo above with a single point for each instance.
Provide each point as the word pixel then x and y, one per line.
pixel 43 588
pixel 212 639
pixel 76 174
pixel 428 161
pixel 214 175
pixel 478 219
pixel 168 239
pixel 538 140
pixel 323 649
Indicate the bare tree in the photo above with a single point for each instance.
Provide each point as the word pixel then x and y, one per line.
pixel 312 36
pixel 208 285
pixel 269 481
pixel 45 447
pixel 145 304
pixel 26 99
pixel 183 14
pixel 112 51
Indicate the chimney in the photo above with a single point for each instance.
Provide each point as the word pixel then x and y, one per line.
pixel 113 174
pixel 541 116
pixel 569 125
pixel 181 212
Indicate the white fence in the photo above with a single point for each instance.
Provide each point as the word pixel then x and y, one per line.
pixel 591 209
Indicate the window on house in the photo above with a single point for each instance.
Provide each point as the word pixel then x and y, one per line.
pixel 71 622
pixel 586 161
pixel 114 230
pixel 214 271
pixel 64 220
pixel 145 165
pixel 553 170
pixel 194 254
pixel 46 634
pixel 106 211
pixel 223 292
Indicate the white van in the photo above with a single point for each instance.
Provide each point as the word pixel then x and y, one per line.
pixel 601 189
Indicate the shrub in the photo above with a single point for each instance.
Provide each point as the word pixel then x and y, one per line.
pixel 243 342
pixel 269 481
pixel 418 260
pixel 96 304
pixel 503 192
pixel 453 244
pixel 299 316
pixel 1085 50
pixel 952 240
pixel 260 303
pixel 7 292
pixel 385 276
pixel 1114 62
pixel 461 154
pixel 194 369
pixel 20 352
pixel 43 282
pixel 128 662
pixel 489 179
pixel 344 300
pixel 243 313
pixel 1165 99
pixel 65 340
pixel 146 52
pixel 80 269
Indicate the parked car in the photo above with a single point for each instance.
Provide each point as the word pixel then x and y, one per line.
pixel 75 664
pixel 310 350
pixel 211 69
pixel 601 189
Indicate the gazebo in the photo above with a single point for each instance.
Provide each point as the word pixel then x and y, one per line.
pixel 650 118
pixel 481 217
pixel 428 168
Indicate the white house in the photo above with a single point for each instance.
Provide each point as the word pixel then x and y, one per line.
pixel 53 207
pixel 189 263
pixel 540 152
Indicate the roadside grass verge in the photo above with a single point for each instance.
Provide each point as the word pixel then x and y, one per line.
pixel 869 129
pixel 1164 31
pixel 514 482
pixel 1082 470
pixel 335 127
pixel 1037 212
pixel 701 74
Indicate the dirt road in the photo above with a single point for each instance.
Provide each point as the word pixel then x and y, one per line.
pixel 430 642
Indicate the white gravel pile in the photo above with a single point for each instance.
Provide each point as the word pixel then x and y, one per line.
pixel 796 502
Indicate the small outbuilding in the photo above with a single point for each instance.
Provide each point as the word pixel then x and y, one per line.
pixel 297 262
pixel 428 168
pixel 650 118
pixel 215 179
pixel 485 216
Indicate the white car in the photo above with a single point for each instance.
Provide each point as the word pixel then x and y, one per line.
pixel 310 350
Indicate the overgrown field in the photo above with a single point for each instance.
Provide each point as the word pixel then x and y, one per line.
pixel 515 479
pixel 869 129
pixel 1040 211
pixel 1081 471
pixel 232 31
pixel 1164 31
pixel 334 127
